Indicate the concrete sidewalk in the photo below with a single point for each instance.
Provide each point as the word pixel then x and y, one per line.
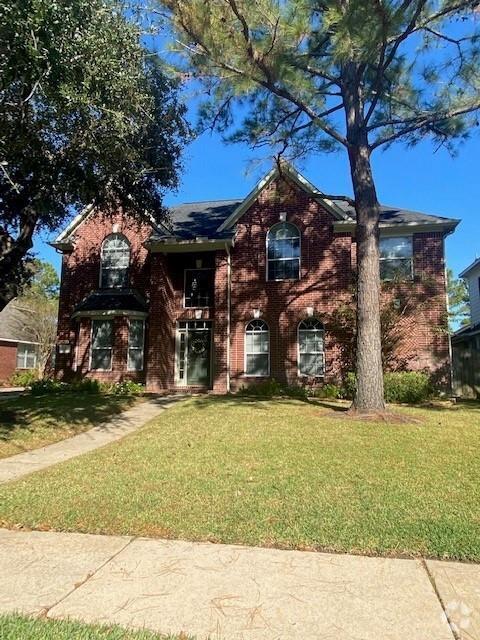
pixel 236 593
pixel 114 429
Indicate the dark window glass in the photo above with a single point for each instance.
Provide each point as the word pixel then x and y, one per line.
pixel 396 258
pixel 199 287
pixel 283 252
pixel 102 341
pixel 257 346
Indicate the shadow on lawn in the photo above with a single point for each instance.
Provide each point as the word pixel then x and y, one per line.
pixel 208 401
pixel 56 411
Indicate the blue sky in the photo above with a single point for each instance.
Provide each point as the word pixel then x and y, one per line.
pixel 412 178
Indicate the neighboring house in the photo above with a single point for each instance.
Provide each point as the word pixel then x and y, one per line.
pixel 466 341
pixel 233 292
pixel 18 349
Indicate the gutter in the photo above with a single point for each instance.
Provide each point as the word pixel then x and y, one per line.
pixel 229 305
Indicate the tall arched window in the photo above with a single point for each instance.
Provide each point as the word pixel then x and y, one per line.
pixel 283 252
pixel 257 348
pixel 311 353
pixel 115 259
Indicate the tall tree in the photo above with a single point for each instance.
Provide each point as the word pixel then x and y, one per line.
pixel 38 307
pixel 312 75
pixel 458 302
pixel 86 115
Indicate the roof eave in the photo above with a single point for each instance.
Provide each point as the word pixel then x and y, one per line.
pixel 178 245
pixel 466 271
pixel 445 226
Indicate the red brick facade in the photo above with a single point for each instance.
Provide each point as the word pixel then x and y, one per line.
pixel 8 359
pixel 326 284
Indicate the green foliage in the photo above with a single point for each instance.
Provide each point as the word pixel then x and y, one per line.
pixel 45 283
pixel 87 114
pixel 23 378
pixel 271 388
pixel 458 302
pixel 88 386
pixel 328 391
pixel 409 387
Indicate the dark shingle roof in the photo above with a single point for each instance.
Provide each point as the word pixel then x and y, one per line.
pixel 396 215
pixel 14 324
pixel 109 300
pixel 202 219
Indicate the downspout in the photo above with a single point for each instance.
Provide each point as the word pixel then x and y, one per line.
pixel 229 289
pixel 450 352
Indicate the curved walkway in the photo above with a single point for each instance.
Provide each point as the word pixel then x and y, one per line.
pixel 117 427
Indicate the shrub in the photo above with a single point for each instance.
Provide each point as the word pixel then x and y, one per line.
pixel 271 388
pixel 48 385
pixel 331 391
pixel 86 385
pixel 407 387
pixel 23 378
pixel 125 388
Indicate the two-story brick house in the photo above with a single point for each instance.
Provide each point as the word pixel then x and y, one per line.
pixel 227 293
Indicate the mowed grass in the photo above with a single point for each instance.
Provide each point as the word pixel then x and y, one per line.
pixel 281 472
pixel 28 422
pixel 18 627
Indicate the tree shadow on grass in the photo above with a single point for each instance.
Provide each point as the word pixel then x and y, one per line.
pixel 66 411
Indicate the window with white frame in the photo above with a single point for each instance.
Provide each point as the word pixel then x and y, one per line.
pixel 283 252
pixel 396 258
pixel 115 260
pixel 257 348
pixel 311 352
pixel 136 340
pixel 102 345
pixel 26 355
pixel 199 287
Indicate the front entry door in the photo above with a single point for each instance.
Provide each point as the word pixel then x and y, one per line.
pixel 194 339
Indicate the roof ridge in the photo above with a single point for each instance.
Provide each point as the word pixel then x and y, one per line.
pixel 181 204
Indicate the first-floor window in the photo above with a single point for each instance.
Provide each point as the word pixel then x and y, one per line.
pixel 257 348
pixel 396 258
pixel 136 339
pixel 102 343
pixel 26 356
pixel 311 354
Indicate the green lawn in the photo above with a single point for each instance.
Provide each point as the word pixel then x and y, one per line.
pixel 280 472
pixel 28 422
pixel 17 627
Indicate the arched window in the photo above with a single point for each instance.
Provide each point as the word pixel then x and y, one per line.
pixel 115 258
pixel 311 354
pixel 257 348
pixel 283 252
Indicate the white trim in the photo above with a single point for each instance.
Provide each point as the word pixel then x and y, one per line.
pixel 296 177
pixel 176 245
pixel 109 313
pixel 185 285
pixel 229 304
pixel 91 346
pixel 117 234
pixel 306 375
pixel 142 320
pixel 267 279
pixel 17 341
pixel 178 332
pixel 400 228
pixel 254 375
pixel 466 271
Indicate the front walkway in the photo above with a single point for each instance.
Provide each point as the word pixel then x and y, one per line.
pixel 114 429
pixel 236 593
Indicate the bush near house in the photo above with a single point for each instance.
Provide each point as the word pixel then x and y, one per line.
pixel 405 387
pixel 87 386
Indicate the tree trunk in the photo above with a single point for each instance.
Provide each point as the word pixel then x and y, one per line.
pixel 370 395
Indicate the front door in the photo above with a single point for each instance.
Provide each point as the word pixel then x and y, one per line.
pixel 194 339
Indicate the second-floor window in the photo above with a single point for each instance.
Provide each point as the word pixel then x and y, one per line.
pixel 283 252
pixel 396 258
pixel 199 287
pixel 115 260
